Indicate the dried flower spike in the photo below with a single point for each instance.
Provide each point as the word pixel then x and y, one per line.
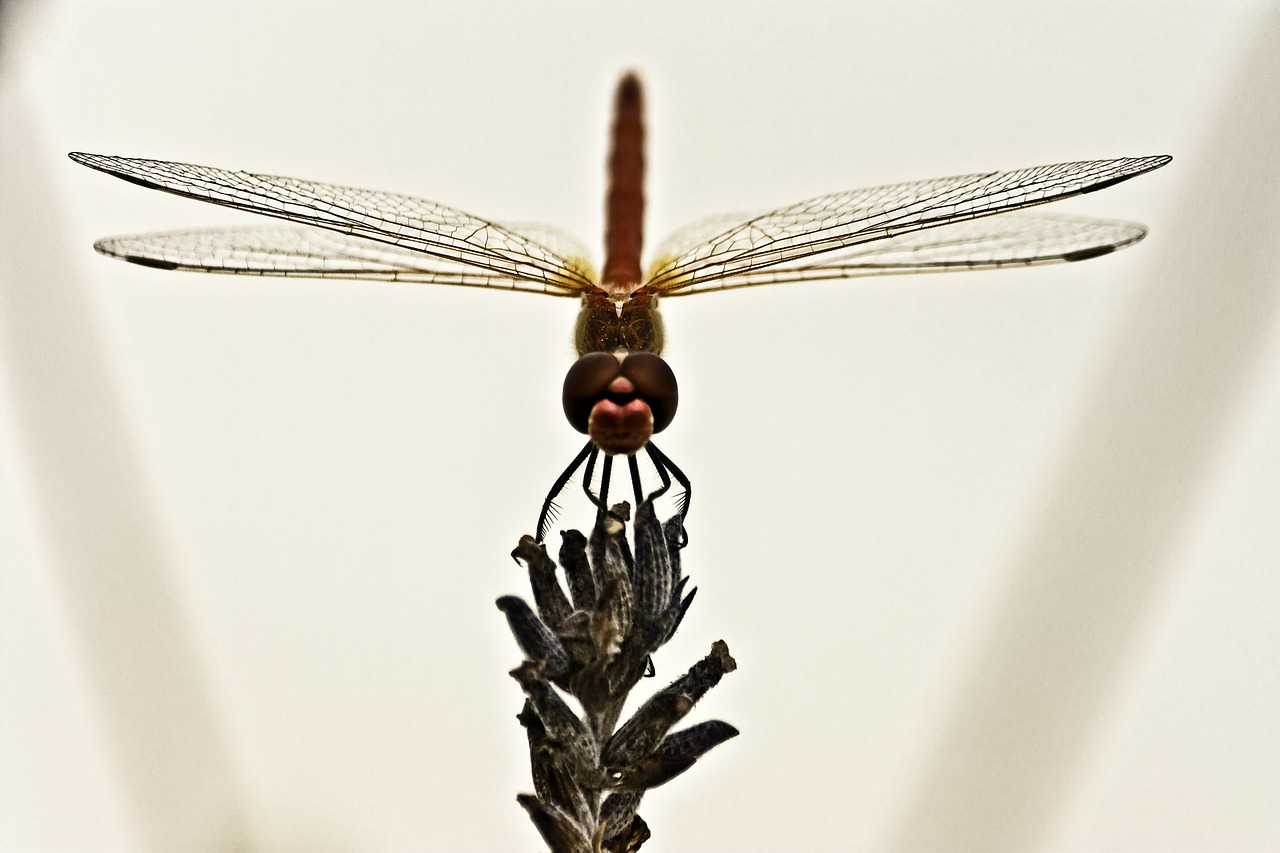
pixel 594 643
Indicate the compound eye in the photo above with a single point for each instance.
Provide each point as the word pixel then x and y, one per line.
pixel 655 383
pixel 586 383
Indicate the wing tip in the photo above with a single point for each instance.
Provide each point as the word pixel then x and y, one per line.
pixel 108 248
pixel 84 158
pixel 1151 162
pixel 111 165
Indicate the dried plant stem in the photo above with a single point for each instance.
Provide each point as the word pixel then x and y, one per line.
pixel 594 643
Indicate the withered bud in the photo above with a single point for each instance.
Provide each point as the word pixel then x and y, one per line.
pixel 533 636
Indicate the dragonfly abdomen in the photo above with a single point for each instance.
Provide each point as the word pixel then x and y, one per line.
pixel 624 204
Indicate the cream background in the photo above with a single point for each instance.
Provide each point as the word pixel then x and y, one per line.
pixel 995 553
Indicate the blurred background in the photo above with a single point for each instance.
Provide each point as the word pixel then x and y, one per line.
pixel 995 552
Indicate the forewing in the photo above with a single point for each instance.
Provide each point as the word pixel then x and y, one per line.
pixel 1015 239
pixel 843 220
pixel 399 221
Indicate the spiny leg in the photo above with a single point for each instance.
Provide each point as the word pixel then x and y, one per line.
pixel 549 508
pixel 590 454
pixel 666 470
pixel 662 475
pixel 664 465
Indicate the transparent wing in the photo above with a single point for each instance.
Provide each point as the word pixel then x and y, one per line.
pixel 412 225
pixel 697 234
pixel 844 220
pixel 558 241
pixel 294 251
pixel 1015 239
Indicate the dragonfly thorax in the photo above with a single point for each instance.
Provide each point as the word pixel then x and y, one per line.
pixel 607 323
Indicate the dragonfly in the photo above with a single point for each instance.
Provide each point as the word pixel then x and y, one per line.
pixel 620 391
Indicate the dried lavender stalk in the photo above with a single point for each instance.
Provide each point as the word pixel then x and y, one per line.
pixel 594 643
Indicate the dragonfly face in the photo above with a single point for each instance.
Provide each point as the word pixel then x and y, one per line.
pixel 621 392
pixel 620 398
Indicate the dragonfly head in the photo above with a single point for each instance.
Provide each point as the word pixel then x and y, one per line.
pixel 620 399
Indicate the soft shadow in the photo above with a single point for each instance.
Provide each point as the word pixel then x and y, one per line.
pixel 139 659
pixel 1098 552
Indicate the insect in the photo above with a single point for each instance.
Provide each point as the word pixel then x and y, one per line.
pixel 620 391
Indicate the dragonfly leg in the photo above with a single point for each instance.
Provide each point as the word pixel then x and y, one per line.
pixel 602 500
pixel 590 455
pixel 662 475
pixel 666 471
pixel 635 478
pixel 589 473
pixel 549 507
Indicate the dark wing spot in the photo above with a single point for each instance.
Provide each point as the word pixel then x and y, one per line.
pixel 142 182
pixel 151 262
pixel 1086 254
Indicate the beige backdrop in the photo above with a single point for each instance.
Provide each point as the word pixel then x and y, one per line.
pixel 995 552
